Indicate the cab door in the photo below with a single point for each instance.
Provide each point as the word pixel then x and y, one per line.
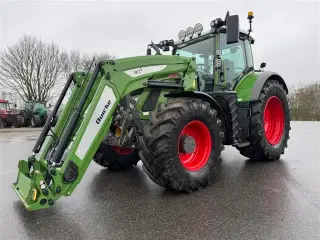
pixel 235 62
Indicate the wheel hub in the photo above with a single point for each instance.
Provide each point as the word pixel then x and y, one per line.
pixel 187 144
pixel 123 151
pixel 194 145
pixel 274 120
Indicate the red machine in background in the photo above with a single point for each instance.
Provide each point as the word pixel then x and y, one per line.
pixel 9 117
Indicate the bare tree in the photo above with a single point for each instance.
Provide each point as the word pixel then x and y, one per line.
pixel 32 69
pixel 305 102
pixel 87 59
pixel 78 62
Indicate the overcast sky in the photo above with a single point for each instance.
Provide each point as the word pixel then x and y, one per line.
pixel 287 32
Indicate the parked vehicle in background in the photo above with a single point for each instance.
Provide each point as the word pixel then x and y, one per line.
pixel 34 114
pixel 9 117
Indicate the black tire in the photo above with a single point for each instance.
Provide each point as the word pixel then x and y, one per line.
pixel 36 121
pixel 107 157
pixel 260 148
pixel 26 118
pixel 159 145
pixel 18 121
pixel 26 122
pixel 3 123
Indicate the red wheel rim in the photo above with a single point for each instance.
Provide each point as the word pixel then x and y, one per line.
pixel 122 151
pixel 198 158
pixel 273 120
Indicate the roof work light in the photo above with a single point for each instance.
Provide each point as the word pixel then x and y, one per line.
pixel 182 35
pixel 189 32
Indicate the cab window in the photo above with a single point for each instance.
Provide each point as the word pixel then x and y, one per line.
pixel 249 53
pixel 203 52
pixel 234 59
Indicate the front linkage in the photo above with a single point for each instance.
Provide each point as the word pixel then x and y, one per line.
pixel 62 154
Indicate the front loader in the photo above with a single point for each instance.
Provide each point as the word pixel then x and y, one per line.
pixel 174 113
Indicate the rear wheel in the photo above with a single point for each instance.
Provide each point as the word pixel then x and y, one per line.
pixel 116 158
pixel 182 144
pixel 35 121
pixel 269 124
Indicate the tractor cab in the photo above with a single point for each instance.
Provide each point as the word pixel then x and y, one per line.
pixel 4 105
pixel 5 108
pixel 223 54
pixel 220 65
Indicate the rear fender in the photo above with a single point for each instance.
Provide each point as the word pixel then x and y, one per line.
pixel 263 77
pixel 249 87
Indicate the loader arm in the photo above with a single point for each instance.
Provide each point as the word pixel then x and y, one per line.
pixel 61 158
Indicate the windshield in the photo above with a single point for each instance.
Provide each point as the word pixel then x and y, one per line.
pixel 203 52
pixel 4 106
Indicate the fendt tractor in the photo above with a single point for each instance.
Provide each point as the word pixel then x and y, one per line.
pixel 173 112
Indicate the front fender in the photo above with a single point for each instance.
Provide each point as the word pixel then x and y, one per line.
pixel 197 94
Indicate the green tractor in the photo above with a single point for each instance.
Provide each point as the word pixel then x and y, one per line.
pixel 173 112
pixel 34 114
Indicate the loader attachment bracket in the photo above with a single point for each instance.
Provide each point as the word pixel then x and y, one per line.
pixel 37 188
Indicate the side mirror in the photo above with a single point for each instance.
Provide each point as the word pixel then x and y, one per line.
pixel 15 105
pixel 149 51
pixel 262 65
pixel 232 23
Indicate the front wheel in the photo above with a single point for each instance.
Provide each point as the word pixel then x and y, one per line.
pixel 269 124
pixel 18 121
pixel 181 145
pixel 3 123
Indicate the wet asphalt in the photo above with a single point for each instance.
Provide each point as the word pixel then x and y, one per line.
pixel 250 200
